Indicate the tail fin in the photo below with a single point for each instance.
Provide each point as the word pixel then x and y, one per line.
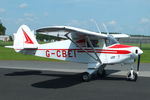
pixel 24 39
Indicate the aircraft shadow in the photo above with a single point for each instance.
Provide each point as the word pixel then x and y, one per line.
pixel 60 82
pixel 63 80
pixel 24 73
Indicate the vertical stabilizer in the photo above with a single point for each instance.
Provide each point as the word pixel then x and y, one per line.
pixel 24 38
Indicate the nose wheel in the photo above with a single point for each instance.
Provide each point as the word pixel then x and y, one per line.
pixel 132 76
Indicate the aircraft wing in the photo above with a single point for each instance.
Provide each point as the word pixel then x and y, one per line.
pixel 76 33
pixel 120 36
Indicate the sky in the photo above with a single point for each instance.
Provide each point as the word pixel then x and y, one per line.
pixel 123 16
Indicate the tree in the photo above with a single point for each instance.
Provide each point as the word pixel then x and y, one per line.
pixel 2 29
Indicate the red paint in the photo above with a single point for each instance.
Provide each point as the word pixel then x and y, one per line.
pixel 116 52
pixel 108 51
pixel 66 51
pixel 28 40
pixel 81 41
pixel 120 46
pixel 69 53
pixel 47 53
pixel 58 53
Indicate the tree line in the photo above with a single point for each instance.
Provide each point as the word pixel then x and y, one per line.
pixel 2 29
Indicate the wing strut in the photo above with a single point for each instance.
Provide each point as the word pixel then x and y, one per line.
pixel 80 46
pixel 93 49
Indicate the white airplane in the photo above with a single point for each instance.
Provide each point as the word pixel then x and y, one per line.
pixel 82 46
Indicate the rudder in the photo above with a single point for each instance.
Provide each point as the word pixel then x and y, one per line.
pixel 24 39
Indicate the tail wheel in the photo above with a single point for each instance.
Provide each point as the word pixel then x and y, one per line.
pixel 86 77
pixel 132 76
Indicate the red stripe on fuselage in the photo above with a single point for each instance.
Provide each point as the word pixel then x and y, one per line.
pixel 110 51
pixel 90 51
pixel 120 46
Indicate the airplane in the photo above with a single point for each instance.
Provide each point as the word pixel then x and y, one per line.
pixel 95 49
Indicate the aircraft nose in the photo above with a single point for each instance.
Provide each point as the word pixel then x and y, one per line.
pixel 138 51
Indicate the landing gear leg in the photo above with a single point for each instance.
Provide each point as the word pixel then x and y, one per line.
pixel 101 72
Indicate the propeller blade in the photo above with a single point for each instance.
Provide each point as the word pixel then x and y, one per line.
pixel 139 57
pixel 138 63
pixel 140 45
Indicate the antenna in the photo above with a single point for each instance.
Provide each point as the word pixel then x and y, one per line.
pixel 106 29
pixel 96 25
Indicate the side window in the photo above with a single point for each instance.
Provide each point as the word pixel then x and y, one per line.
pixel 81 42
pixel 107 42
pixel 101 43
pixel 96 43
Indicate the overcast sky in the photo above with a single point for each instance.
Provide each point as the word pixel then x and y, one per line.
pixel 124 16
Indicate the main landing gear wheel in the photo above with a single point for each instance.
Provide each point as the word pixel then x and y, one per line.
pixel 132 76
pixel 86 77
pixel 101 73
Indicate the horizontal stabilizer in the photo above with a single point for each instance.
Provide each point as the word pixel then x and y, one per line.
pixel 29 47
pixel 9 46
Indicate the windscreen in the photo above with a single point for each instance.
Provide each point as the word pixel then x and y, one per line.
pixel 111 40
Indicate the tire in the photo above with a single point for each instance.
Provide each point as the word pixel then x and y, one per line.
pixel 101 73
pixel 86 77
pixel 135 76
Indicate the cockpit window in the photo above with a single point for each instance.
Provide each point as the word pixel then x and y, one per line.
pixel 96 43
pixel 111 40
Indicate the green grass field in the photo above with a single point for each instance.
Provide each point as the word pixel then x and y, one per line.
pixel 10 54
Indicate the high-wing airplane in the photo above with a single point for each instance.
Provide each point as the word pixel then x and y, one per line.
pixel 97 50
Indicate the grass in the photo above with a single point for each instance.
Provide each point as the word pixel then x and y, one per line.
pixel 10 54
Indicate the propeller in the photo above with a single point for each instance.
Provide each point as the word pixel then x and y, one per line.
pixel 139 59
pixel 138 63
